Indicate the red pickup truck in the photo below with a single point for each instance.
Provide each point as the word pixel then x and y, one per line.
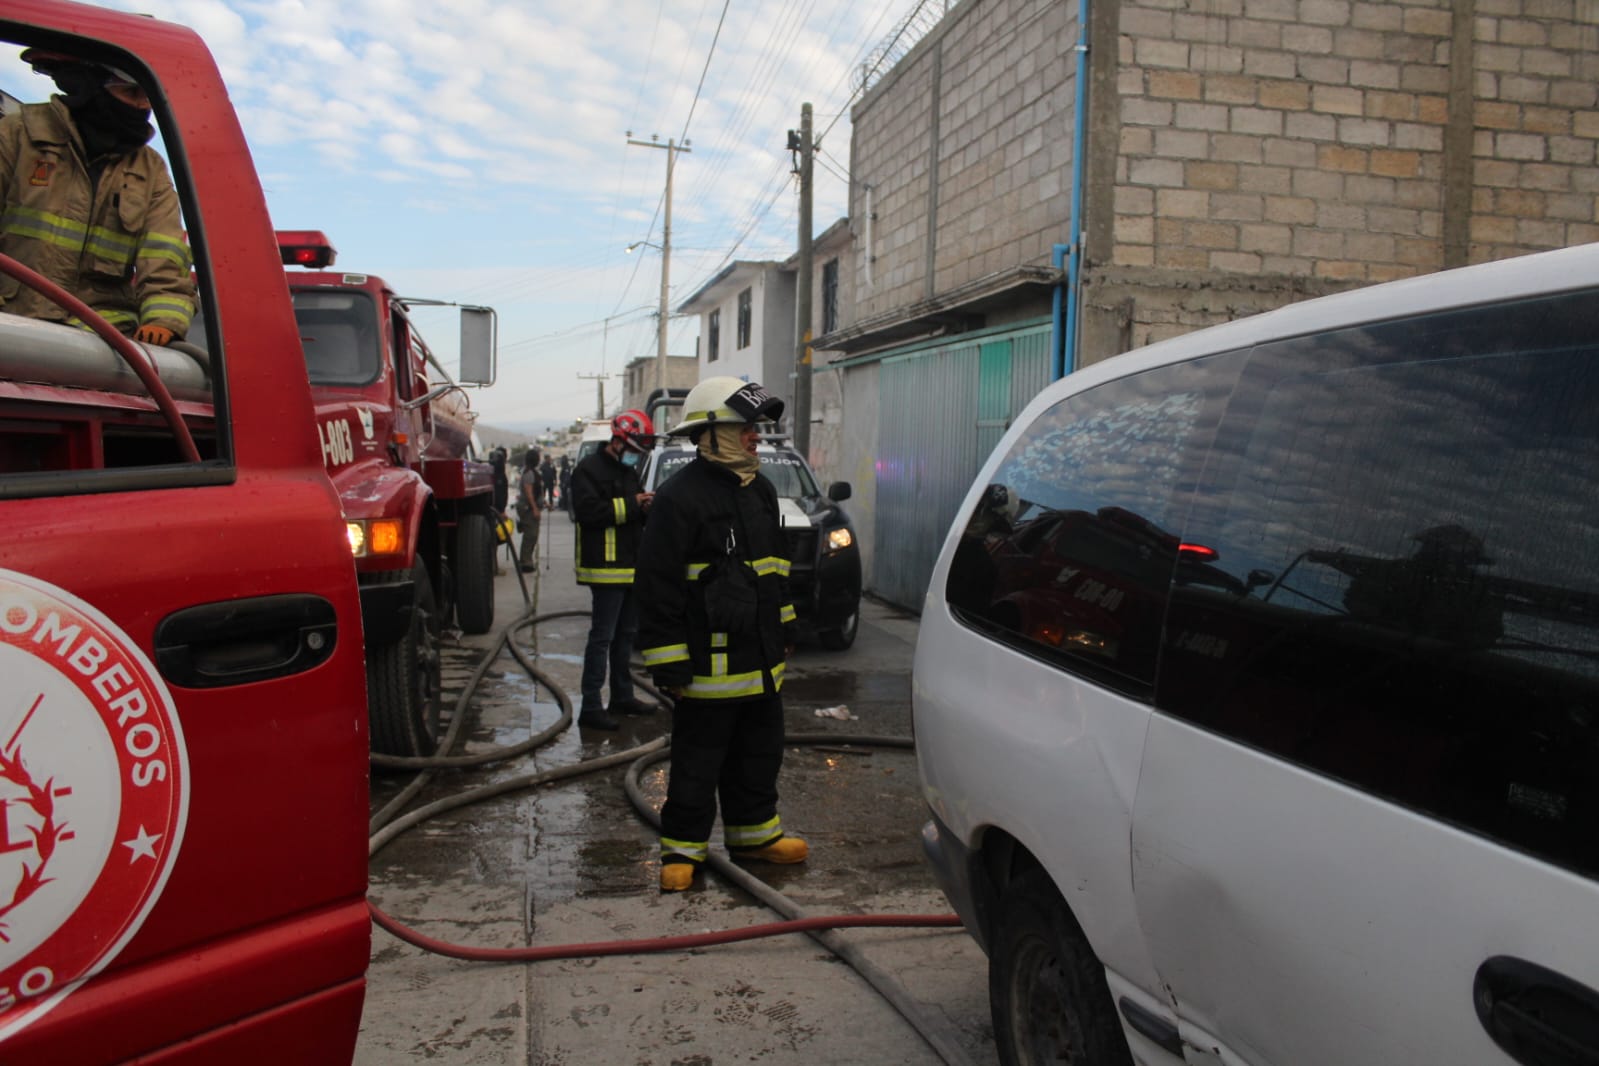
pixel 183 735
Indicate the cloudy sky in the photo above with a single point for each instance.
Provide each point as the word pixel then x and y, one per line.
pixel 476 151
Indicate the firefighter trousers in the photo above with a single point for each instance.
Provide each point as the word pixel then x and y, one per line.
pixel 727 751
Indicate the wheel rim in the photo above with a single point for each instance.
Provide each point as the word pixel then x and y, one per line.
pixel 1042 1021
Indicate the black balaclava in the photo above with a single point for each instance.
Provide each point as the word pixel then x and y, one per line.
pixel 107 125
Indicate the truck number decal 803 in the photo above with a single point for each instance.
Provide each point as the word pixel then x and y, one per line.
pixel 337 446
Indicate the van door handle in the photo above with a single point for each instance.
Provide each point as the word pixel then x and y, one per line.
pixel 1539 1017
pixel 234 642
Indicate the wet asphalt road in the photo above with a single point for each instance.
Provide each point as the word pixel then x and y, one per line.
pixel 573 864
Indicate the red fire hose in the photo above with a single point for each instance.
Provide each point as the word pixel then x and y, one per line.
pixel 550 952
pixel 386 825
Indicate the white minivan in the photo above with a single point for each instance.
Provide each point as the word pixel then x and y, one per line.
pixel 1257 688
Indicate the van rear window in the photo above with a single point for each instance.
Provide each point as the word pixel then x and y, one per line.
pixel 1406 519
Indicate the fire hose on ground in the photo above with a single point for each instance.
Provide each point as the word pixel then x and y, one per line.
pixel 389 822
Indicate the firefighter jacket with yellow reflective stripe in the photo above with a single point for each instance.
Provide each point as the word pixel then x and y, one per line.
pixel 117 245
pixel 605 507
pixel 697 515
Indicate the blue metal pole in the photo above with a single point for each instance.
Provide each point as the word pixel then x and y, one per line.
pixel 1057 340
pixel 1079 149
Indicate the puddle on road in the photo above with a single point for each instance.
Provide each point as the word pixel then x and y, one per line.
pixel 562 657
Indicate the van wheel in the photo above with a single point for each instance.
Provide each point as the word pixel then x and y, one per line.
pixel 842 637
pixel 403 680
pixel 474 573
pixel 1046 990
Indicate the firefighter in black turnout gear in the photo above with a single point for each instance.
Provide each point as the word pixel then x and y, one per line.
pixel 716 626
pixel 609 506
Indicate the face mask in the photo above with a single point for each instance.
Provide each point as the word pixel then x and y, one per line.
pixel 110 126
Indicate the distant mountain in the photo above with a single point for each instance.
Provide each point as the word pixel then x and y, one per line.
pixel 516 435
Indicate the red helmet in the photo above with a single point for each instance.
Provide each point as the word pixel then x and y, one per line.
pixel 635 430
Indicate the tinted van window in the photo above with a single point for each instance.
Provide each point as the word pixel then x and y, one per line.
pixel 1069 552
pixel 1406 518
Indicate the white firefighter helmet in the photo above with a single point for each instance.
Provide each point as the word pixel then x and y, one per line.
pixel 726 399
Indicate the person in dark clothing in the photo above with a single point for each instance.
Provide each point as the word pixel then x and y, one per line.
pixel 547 482
pixel 502 481
pixel 566 484
pixel 527 510
pixel 609 506
pixel 716 628
pixel 502 499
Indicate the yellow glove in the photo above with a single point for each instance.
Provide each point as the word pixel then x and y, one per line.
pixel 152 334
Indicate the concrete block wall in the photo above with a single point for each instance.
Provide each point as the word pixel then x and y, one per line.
pixel 888 193
pixel 1536 126
pixel 1330 143
pixel 1004 138
pixel 1303 145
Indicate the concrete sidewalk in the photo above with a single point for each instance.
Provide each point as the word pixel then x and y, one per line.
pixel 574 864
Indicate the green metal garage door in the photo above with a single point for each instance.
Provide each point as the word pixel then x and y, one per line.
pixel 943 408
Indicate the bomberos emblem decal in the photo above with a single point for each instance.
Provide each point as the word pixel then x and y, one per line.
pixel 93 794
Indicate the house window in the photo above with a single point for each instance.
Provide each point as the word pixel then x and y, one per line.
pixel 829 296
pixel 713 336
pixel 744 319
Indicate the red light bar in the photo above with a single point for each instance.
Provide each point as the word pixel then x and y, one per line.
pixel 305 247
pixel 1199 551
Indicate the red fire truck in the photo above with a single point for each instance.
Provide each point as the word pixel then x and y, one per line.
pixel 183 731
pixel 396 436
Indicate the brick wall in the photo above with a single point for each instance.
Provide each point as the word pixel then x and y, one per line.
pixel 1244 153
pixel 1005 145
pixel 1536 126
pixel 1320 139
pixel 890 183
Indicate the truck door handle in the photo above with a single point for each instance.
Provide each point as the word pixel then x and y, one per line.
pixel 234 642
pixel 1539 1017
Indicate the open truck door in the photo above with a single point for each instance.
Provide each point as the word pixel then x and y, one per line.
pixel 183 780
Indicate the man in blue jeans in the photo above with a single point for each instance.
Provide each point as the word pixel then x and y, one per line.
pixel 609 505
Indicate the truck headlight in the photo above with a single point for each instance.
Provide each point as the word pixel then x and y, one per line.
pixel 839 539
pixel 375 536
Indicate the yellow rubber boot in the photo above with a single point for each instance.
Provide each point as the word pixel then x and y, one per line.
pixel 783 850
pixel 677 876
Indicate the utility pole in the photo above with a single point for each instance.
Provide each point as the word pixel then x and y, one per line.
pixel 802 298
pixel 672 149
pixel 600 379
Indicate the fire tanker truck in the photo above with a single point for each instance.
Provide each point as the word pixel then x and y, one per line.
pixel 395 432
pixel 183 731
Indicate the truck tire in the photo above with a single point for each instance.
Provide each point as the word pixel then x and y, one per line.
pixel 403 679
pixel 474 573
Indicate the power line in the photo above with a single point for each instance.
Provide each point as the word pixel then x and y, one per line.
pixel 695 102
pixel 817 156
pixel 581 329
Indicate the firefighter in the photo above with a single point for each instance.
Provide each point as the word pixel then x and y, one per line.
pixel 717 626
pixel 609 505
pixel 85 202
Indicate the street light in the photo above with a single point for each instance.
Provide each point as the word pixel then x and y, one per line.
pixel 660 325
